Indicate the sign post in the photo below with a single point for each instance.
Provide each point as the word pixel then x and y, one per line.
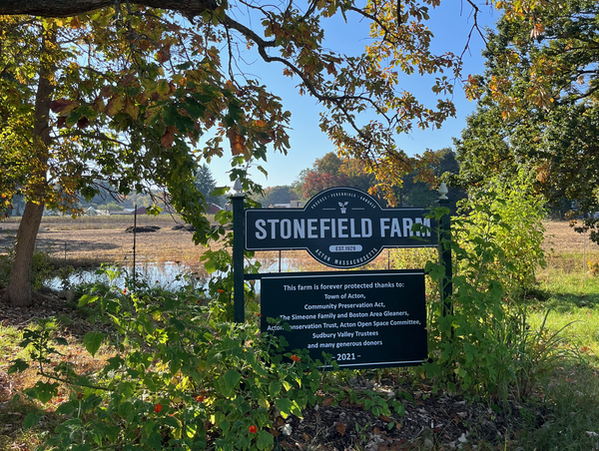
pixel 238 271
pixel 445 254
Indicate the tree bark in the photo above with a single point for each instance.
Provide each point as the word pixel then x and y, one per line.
pixel 66 8
pixel 19 282
pixel 18 290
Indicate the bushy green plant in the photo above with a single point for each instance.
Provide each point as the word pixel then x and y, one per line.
pixel 178 380
pixel 508 213
pixel 485 345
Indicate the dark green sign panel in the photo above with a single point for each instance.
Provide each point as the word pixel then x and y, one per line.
pixel 362 319
pixel 340 227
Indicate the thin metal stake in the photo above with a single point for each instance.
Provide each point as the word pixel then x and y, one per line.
pixel 134 240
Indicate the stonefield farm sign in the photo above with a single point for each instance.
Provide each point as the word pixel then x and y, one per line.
pixel 339 227
pixel 360 319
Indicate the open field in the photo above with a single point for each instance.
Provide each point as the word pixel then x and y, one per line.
pixel 91 241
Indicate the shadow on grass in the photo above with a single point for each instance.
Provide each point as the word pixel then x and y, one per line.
pixel 570 412
pixel 564 293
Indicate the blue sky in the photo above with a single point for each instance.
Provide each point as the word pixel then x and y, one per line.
pixel 450 23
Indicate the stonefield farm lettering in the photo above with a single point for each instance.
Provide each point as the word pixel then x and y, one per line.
pixel 340 227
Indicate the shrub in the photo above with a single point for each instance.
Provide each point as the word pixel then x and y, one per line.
pixel 485 346
pixel 178 379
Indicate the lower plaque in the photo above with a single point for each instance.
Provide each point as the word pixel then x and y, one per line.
pixel 360 320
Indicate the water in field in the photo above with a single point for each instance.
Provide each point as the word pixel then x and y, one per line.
pixel 167 275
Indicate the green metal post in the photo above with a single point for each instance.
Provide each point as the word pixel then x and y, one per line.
pixel 445 254
pixel 238 246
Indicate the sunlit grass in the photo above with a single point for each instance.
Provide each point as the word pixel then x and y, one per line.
pixel 572 299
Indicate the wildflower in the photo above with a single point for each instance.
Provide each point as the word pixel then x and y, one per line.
pixel 200 398
pixel 157 408
pixel 220 291
pixel 125 290
pixel 296 358
pixel 253 429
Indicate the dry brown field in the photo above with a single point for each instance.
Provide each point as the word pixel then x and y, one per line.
pixel 91 241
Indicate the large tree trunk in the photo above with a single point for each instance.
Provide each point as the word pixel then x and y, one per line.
pixel 19 283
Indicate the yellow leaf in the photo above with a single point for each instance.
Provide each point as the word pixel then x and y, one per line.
pixel 115 105
pixel 163 88
pixel 131 108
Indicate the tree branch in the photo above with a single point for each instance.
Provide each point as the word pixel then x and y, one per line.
pixel 66 8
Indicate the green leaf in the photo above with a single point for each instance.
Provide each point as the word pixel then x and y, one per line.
pixel 44 391
pixel 31 420
pixel 274 388
pixel 18 365
pixel 65 409
pixel 87 299
pixel 61 341
pixel 265 440
pixel 232 378
pixel 92 342
pixel 154 440
pixel 284 405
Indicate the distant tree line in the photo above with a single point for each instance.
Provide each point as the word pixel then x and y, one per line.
pixel 332 171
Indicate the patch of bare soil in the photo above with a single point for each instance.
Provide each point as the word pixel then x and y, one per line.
pixel 429 422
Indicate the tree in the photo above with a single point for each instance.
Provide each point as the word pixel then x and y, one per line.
pixel 539 103
pixel 275 195
pixel 129 94
pixel 331 170
pixel 206 184
pixel 418 191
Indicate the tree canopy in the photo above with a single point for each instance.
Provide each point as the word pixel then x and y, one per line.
pixel 539 103
pixel 141 92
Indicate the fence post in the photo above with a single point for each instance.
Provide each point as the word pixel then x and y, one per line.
pixel 445 254
pixel 238 246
